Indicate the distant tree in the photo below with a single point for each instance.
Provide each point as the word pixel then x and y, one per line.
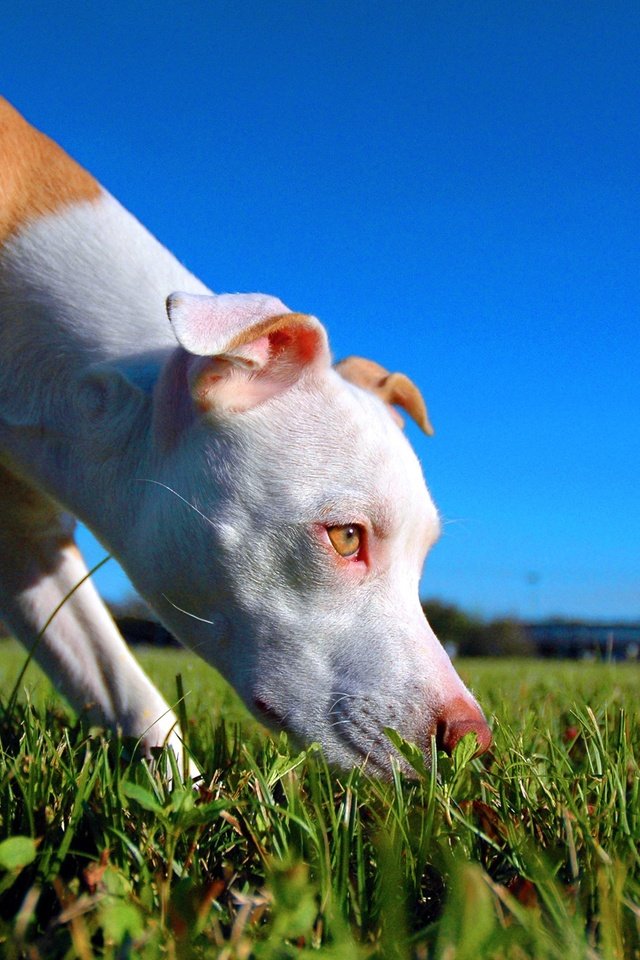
pixel 472 636
pixel 508 638
pixel 450 624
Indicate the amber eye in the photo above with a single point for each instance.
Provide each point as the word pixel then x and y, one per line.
pixel 346 539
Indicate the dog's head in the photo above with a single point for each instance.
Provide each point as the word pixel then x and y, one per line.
pixel 292 555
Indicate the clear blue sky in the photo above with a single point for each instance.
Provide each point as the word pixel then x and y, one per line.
pixel 453 187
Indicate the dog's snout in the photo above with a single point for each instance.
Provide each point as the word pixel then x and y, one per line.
pixel 456 720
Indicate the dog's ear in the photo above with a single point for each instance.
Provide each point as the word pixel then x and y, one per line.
pixel 249 347
pixel 395 389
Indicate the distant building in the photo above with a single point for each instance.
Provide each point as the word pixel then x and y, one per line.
pixel 578 640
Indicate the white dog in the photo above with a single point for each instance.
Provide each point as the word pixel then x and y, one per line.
pixel 265 504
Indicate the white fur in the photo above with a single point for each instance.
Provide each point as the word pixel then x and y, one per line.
pixel 217 514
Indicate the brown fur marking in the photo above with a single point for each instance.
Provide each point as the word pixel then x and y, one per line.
pixel 269 325
pixel 36 176
pixel 394 388
pixel 303 345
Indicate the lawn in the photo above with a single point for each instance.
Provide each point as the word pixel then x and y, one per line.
pixel 529 852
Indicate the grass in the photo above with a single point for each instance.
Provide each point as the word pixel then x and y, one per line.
pixel 530 852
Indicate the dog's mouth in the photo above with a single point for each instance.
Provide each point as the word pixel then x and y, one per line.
pixel 360 744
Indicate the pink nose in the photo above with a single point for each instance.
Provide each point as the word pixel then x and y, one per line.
pixel 458 718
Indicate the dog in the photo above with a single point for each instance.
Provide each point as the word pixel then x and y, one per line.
pixel 265 503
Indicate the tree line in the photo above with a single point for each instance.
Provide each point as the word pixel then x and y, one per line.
pixel 472 636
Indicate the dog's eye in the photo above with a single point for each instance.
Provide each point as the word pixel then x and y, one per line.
pixel 346 539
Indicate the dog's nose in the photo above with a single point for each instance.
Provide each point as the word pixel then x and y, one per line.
pixel 456 720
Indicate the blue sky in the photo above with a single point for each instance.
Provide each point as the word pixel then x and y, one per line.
pixel 452 187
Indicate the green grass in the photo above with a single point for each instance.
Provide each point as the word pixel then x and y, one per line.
pixel 530 852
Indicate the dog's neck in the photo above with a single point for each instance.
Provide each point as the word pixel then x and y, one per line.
pixel 100 274
pixel 82 293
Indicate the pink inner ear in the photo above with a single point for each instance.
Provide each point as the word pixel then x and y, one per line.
pixel 302 343
pixel 254 354
pixel 296 344
pixel 253 372
pixel 221 384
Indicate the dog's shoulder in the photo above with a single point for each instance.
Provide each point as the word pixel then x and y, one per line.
pixel 37 177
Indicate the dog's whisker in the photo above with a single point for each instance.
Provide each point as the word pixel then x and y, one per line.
pixel 340 698
pixel 343 696
pixel 202 643
pixel 188 613
pixel 451 521
pixel 166 486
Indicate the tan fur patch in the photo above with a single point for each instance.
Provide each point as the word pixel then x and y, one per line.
pixel 296 332
pixel 395 389
pixel 269 325
pixel 36 176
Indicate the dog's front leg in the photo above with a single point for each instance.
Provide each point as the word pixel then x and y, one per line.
pixel 81 649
